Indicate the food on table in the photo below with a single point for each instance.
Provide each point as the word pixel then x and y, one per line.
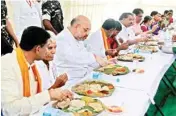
pixel 153 39
pixel 115 109
pixel 151 43
pixel 113 69
pixel 83 112
pixel 119 70
pixel 84 106
pixel 161 43
pixel 94 89
pixel 130 57
pixel 62 104
pixel 138 70
pixel 96 106
pixel 77 103
pixel 147 48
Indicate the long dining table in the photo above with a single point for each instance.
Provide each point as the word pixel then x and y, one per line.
pixel 134 92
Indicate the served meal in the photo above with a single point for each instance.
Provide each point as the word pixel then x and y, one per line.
pixel 113 69
pixel 130 57
pixel 94 89
pixel 151 43
pixel 115 109
pixel 138 70
pixel 84 106
pixel 145 48
pixel 153 39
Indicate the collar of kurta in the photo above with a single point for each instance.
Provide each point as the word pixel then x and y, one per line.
pixel 24 68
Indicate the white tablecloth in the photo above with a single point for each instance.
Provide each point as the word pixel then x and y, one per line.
pixel 136 91
pixel 154 66
pixel 130 100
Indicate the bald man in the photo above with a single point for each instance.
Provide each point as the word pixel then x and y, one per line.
pixel 71 55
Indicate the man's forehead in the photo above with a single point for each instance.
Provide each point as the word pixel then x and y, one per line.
pixel 86 25
pixel 130 17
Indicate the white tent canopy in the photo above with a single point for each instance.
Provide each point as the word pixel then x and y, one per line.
pixel 100 10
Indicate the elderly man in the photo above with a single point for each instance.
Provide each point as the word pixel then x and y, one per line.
pixel 47 69
pixel 71 55
pixel 103 42
pixel 21 85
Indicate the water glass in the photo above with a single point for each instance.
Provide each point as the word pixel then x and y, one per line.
pixel 96 75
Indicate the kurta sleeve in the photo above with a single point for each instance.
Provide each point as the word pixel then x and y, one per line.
pixel 12 101
pixel 81 57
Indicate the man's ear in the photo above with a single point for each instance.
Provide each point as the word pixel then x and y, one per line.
pixel 36 49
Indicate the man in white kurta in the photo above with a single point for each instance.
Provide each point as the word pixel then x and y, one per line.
pixel 71 55
pixel 16 98
pixel 47 69
pixel 25 13
pixel 126 20
pixel 127 33
pixel 12 89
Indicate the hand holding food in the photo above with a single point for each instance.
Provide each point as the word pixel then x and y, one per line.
pixel 60 94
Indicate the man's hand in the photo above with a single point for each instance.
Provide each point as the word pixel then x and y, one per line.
pixel 143 39
pixel 60 81
pixel 123 46
pixel 121 40
pixel 101 61
pixel 60 94
pixel 111 52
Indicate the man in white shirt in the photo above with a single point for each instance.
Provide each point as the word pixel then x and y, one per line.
pixel 21 92
pixel 47 69
pixel 138 18
pixel 71 55
pixel 138 14
pixel 25 13
pixel 127 34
